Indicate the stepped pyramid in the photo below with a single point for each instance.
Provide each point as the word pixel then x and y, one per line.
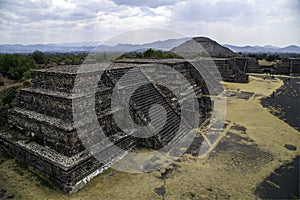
pixel 49 140
pixel 204 46
pixel 209 53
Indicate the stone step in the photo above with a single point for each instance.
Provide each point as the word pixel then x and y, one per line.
pixel 55 104
pixel 146 91
pixel 68 173
pixel 52 132
pixel 181 133
pixel 156 111
pixel 154 99
pixel 62 78
pixel 58 105
pixel 156 120
pixel 174 138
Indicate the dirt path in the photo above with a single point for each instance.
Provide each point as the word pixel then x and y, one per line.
pixel 9 83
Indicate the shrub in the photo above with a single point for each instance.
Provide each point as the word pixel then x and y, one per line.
pixel 150 53
pixel 7 97
pixel 14 66
pixel 27 74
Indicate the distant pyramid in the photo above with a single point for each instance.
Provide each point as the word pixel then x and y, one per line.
pixel 202 46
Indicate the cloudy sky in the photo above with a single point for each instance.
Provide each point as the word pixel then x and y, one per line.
pixel 238 22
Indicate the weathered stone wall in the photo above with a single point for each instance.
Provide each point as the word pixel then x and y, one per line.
pixel 67 173
pixel 288 66
pixel 295 67
pixel 154 94
pixel 230 72
pixel 53 104
pixel 61 138
pixel 228 69
pixel 247 65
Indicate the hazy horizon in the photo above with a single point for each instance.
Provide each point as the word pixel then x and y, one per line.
pixel 98 43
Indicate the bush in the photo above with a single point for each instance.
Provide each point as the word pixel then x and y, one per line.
pixel 1 82
pixel 27 75
pixel 271 58
pixel 150 53
pixel 39 57
pixel 3 116
pixel 14 66
pixel 7 97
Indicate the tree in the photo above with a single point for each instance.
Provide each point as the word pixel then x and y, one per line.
pixel 272 57
pixel 7 61
pixel 148 54
pixel 14 66
pixel 8 96
pixel 39 57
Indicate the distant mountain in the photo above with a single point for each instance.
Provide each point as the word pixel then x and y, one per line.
pixel 18 48
pixel 77 47
pixel 291 49
pixel 77 44
pixel 209 45
pixel 271 47
pixel 263 49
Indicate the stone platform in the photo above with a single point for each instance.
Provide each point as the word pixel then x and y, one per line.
pixel 49 141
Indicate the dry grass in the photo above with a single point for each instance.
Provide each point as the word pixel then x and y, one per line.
pixel 267 63
pixel 8 83
pixel 222 175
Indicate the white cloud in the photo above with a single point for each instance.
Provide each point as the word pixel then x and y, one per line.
pixel 275 22
pixel 146 3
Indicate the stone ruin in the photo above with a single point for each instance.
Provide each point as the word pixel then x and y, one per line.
pixel 231 66
pixel 288 66
pixel 48 140
pixel 247 65
pixel 230 70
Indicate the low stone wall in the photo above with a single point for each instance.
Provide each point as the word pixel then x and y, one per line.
pixel 288 66
pixel 67 173
pixel 229 70
pixel 63 139
pixel 247 65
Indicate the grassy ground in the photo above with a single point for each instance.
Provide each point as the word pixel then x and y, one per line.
pixel 251 150
pixel 267 63
pixel 8 83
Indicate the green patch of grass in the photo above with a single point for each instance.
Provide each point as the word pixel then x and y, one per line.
pixel 40 179
pixel 19 171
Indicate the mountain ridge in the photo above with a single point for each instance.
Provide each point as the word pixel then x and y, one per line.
pixel 164 45
pixel 264 49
